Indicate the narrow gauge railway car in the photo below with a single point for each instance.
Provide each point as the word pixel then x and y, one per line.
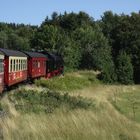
pixel 1 72
pixel 58 65
pixel 54 64
pixel 49 64
pixel 36 65
pixel 15 67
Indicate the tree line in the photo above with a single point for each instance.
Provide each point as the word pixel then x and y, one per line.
pixel 110 45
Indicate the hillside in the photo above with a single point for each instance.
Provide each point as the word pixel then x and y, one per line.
pixel 74 107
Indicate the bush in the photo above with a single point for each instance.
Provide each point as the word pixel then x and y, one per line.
pixel 46 101
pixel 124 69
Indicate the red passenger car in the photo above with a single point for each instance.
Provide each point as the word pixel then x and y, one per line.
pixel 15 67
pixel 36 64
pixel 1 72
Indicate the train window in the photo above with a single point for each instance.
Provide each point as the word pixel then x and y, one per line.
pixel 11 65
pixel 14 65
pixel 1 65
pixel 19 64
pixel 26 64
pixel 23 64
pixel 38 64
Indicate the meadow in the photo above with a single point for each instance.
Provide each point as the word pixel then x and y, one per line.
pixel 76 106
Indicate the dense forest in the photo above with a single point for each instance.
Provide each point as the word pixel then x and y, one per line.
pixel 110 45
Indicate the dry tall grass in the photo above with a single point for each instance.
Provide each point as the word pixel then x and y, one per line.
pixel 102 123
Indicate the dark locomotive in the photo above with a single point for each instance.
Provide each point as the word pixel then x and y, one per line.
pixel 17 66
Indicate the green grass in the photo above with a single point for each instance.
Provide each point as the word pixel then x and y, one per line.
pixel 46 101
pixel 69 82
pixel 128 103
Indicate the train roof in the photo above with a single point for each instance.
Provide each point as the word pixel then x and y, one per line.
pixel 9 52
pixel 50 55
pixel 34 54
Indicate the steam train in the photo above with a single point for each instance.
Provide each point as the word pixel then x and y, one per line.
pixel 17 66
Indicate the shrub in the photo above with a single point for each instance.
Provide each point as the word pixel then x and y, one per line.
pixel 46 101
pixel 124 69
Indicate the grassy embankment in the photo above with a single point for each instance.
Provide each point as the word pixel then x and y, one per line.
pixel 70 82
pixel 91 110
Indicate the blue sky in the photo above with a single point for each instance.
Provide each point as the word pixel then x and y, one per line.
pixel 34 11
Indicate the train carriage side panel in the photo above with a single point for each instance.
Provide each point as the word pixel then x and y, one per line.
pixel 36 65
pixel 15 67
pixel 17 70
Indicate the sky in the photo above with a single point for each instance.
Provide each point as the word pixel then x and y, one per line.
pixel 34 11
